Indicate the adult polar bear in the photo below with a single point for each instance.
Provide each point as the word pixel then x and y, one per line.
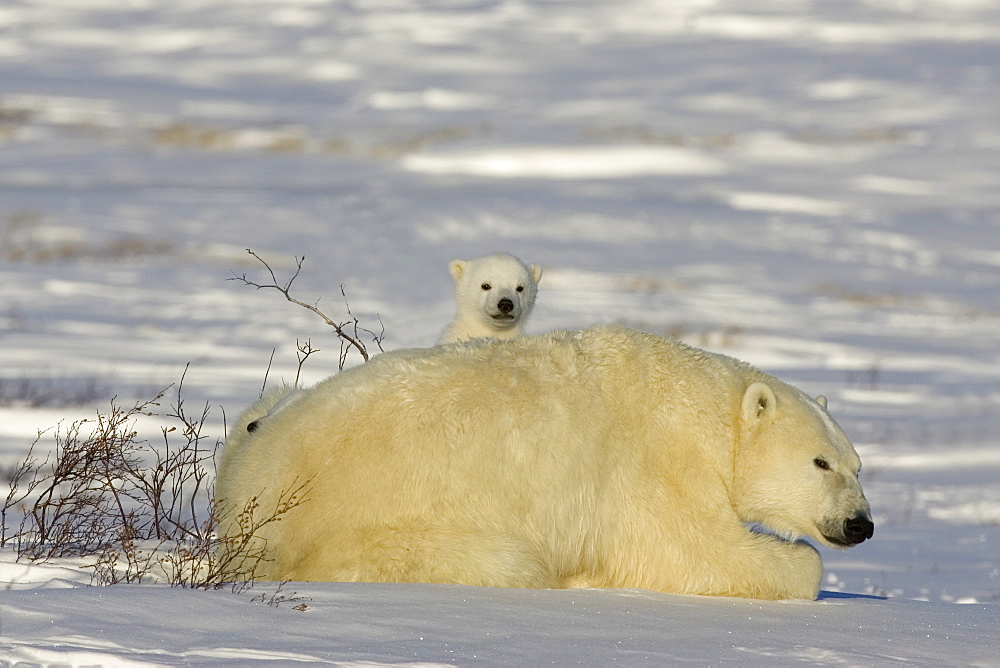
pixel 605 458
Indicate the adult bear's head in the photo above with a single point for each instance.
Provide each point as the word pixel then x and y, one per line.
pixel 795 471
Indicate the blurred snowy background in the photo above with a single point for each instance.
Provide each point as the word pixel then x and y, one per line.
pixel 810 186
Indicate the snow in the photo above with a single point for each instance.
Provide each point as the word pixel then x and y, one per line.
pixel 595 162
pixel 424 625
pixel 808 186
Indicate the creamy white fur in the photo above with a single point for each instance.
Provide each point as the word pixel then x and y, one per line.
pixel 605 458
pixel 480 286
pixel 478 314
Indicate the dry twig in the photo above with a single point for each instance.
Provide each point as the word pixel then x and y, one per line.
pixel 349 339
pixel 138 510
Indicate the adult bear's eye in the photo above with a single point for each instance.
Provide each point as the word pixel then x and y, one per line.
pixel 821 463
pixel 520 288
pixel 486 286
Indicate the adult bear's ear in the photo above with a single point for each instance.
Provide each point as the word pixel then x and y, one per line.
pixel 821 400
pixel 457 268
pixel 536 272
pixel 758 402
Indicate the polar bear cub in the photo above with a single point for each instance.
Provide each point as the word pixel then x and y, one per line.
pixel 494 296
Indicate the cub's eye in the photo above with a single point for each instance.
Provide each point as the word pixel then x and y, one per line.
pixel 821 464
pixel 486 286
pixel 520 288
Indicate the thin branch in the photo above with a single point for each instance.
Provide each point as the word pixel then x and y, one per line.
pixel 267 372
pixel 285 290
pixel 302 353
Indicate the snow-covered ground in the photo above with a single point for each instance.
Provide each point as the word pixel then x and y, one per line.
pixel 809 186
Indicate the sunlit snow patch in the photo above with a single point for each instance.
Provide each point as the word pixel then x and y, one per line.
pixel 936 460
pixel 781 203
pixel 568 162
pixel 977 512
pixel 893 185
pixel 68 573
pixel 429 98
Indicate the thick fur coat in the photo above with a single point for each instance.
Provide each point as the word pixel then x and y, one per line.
pixel 601 458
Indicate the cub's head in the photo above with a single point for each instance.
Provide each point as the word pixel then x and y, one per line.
pixel 795 470
pixel 499 288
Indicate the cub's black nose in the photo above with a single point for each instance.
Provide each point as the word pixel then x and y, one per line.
pixel 858 529
pixel 505 305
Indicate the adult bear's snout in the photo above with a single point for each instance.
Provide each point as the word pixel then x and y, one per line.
pixel 858 529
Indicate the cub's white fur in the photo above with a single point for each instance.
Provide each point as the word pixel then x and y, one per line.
pixel 494 296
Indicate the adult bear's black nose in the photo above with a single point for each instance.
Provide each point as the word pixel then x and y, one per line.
pixel 858 529
pixel 505 305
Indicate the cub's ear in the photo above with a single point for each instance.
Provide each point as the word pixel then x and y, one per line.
pixel 536 272
pixel 759 402
pixel 821 400
pixel 457 268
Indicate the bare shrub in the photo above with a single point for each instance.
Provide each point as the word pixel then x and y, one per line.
pixel 138 509
pixel 278 597
pixel 232 559
pixel 144 510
